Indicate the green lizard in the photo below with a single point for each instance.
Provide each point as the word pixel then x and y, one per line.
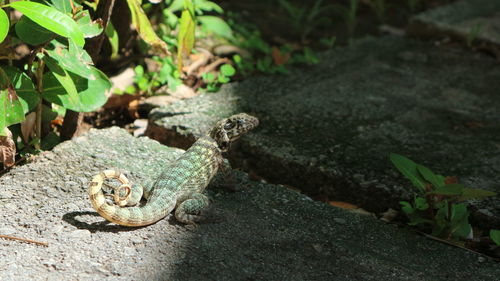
pixel 179 186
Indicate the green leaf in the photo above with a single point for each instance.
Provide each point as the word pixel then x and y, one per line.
pixel 207 6
pixel 4 25
pixel 31 32
pixel 409 169
pixel 216 25
pixel 208 77
pixel 470 193
pixel 143 26
pixel 72 58
pixel 25 90
pixel 89 27
pixel 64 79
pixel 113 39
pixel 222 79
pixel 421 204
pixel 165 71
pixel 185 39
pixel 63 5
pixel 91 93
pixel 310 56
pixel 407 207
pixel 170 18
pixel 460 226
pixel 458 212
pixel 51 19
pixel 11 109
pixel 189 6
pixel 495 236
pixel 49 141
pixel 430 176
pixel 228 70
pixel 139 71
pixel 237 59
pixel 449 189
pixel 176 5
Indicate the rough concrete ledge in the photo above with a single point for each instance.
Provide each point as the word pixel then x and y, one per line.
pixel 458 20
pixel 329 128
pixel 264 232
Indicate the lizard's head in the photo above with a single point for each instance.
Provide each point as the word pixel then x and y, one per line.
pixel 230 129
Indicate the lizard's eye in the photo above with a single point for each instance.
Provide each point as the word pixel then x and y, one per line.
pixel 228 126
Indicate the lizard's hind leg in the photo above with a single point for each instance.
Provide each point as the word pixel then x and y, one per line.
pixel 188 211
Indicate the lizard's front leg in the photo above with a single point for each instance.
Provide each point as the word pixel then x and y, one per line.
pixel 188 211
pixel 227 173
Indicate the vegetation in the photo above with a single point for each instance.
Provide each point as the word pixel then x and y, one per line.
pixel 438 205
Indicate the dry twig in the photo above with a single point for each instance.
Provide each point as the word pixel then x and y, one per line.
pixel 24 240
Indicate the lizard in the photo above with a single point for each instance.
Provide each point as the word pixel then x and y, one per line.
pixel 180 185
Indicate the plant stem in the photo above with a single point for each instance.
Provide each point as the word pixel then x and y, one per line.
pixel 39 87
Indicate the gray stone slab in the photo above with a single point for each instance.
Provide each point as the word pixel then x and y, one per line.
pixel 459 20
pixel 329 128
pixel 265 232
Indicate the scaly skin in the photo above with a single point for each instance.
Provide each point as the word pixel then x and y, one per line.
pixel 179 186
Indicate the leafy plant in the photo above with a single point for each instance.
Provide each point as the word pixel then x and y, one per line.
pixel 495 236
pixel 148 82
pixel 349 15
pixel 58 69
pixel 58 73
pixel 438 203
pixel 304 20
pixel 473 34
pixel 213 82
pixel 192 18
pixel 261 56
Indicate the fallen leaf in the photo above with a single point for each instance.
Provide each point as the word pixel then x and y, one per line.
pixel 132 109
pixel 278 57
pixel 343 205
pixel 450 180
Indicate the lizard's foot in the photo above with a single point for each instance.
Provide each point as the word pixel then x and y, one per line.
pixel 190 210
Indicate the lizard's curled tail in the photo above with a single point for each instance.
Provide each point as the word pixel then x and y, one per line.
pixel 128 216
